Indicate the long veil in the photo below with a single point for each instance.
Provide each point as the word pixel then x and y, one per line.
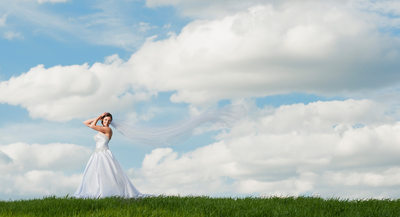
pixel 180 131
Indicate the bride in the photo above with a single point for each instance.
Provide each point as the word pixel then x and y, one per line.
pixel 103 176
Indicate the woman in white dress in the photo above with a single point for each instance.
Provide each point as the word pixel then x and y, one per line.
pixel 103 176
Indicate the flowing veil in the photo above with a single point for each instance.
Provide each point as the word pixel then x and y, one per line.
pixel 180 131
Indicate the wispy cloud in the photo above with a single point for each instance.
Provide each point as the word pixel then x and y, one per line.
pixel 3 19
pixel 10 35
pixel 105 25
pixel 51 1
pixel 208 8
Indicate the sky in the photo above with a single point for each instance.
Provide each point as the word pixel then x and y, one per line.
pixel 319 81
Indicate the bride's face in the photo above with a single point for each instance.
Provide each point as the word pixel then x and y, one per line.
pixel 106 121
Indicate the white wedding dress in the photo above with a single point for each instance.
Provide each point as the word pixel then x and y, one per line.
pixel 103 176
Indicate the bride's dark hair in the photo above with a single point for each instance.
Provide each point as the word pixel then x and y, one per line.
pixel 107 115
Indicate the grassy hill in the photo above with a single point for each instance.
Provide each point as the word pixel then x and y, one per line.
pixel 200 206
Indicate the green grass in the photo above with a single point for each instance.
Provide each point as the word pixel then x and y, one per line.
pixel 200 206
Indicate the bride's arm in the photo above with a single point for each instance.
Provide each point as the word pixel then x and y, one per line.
pixel 92 123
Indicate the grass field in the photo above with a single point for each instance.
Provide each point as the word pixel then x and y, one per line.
pixel 200 206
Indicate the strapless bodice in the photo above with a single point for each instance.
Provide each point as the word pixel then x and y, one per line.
pixel 101 142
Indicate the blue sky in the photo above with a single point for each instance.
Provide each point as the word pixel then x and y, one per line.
pixel 319 81
pixel 58 45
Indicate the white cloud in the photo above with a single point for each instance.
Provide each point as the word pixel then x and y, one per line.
pixel 144 27
pixel 57 156
pixel 390 7
pixel 36 170
pixel 9 35
pixel 43 132
pixel 335 148
pixel 60 93
pixel 108 25
pixel 3 19
pixel 206 8
pixel 38 183
pixel 262 51
pixel 388 177
pixel 268 50
pixel 43 183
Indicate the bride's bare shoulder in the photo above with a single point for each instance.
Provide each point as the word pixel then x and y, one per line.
pixel 107 129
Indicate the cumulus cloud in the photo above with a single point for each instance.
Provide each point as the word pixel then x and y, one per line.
pixel 58 156
pixel 38 169
pixel 38 183
pixel 334 148
pixel 261 51
pixel 268 50
pixel 43 183
pixel 63 92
